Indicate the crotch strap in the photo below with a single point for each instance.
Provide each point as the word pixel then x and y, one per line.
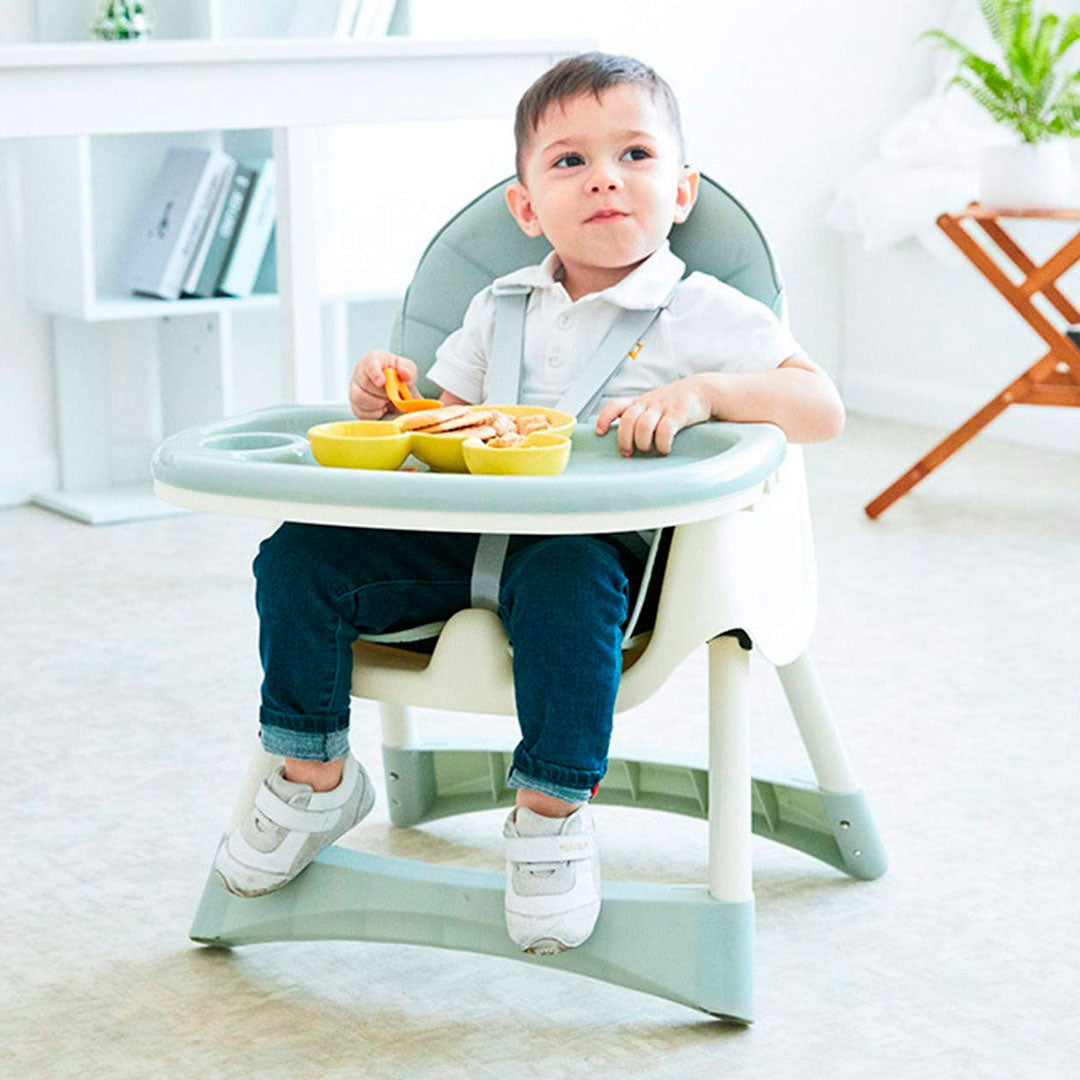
pixel 502 385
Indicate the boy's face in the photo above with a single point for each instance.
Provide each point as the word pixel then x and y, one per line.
pixel 617 158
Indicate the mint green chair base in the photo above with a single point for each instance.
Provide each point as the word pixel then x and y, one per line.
pixel 347 895
pixel 424 784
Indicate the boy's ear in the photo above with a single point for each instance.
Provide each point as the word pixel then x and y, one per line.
pixel 686 195
pixel 520 205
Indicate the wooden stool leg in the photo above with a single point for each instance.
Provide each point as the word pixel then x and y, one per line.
pixel 1015 392
pixel 944 450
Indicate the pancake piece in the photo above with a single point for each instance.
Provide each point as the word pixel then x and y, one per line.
pixel 471 418
pixel 428 418
pixel 477 431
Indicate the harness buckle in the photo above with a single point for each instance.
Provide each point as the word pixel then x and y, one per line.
pixel 510 288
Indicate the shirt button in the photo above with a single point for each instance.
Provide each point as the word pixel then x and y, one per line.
pixel 564 321
pixel 555 361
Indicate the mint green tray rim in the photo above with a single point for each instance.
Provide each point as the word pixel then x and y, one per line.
pixel 266 455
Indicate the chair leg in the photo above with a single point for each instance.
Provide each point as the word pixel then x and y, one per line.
pixel 844 803
pixel 397 724
pixel 261 766
pixel 730 805
pixel 805 696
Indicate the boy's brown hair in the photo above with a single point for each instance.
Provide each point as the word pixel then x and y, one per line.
pixel 591 72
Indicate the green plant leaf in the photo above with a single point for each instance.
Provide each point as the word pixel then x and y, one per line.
pixel 1000 111
pixel 1044 37
pixel 993 15
pixel 993 78
pixel 1070 34
pixel 1018 56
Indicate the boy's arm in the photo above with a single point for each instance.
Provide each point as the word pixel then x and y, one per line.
pixel 797 396
pixel 452 399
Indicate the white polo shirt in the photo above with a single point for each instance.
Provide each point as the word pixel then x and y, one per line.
pixel 708 326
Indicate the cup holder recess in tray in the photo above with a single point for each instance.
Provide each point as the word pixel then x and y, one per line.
pixel 258 446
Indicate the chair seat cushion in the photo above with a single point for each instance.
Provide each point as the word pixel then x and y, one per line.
pixel 422 638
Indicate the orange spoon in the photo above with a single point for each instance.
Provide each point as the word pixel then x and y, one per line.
pixel 401 397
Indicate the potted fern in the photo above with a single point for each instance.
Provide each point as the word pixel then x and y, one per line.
pixel 120 20
pixel 1033 93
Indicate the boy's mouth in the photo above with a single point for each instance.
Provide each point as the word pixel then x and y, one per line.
pixel 607 215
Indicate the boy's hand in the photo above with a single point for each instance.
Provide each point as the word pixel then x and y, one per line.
pixel 367 387
pixel 658 415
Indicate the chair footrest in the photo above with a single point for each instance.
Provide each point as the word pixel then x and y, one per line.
pixel 348 895
pixel 426 783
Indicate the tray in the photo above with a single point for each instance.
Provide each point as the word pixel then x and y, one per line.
pixel 264 457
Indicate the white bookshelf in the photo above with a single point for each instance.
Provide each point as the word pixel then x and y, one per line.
pixel 95 120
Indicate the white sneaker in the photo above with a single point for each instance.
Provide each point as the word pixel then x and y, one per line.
pixel 288 826
pixel 552 879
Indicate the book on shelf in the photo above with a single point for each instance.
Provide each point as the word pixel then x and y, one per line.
pixel 374 18
pixel 171 220
pixel 266 280
pixel 323 18
pixel 224 230
pixel 252 234
pixel 202 249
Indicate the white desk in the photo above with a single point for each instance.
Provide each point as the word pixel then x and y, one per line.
pixel 289 85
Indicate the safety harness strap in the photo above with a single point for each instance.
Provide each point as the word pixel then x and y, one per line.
pixel 502 385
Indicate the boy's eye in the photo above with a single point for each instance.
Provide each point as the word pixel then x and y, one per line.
pixel 576 159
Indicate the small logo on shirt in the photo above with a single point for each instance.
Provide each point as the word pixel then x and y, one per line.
pixel 633 353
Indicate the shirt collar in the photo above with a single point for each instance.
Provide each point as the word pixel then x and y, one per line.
pixel 646 287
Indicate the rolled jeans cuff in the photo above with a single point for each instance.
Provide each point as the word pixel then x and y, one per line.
pixel 570 785
pixel 306 745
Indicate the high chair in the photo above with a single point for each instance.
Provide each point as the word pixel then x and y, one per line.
pixel 738 575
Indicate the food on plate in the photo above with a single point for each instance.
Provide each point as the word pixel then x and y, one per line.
pixel 471 419
pixel 464 422
pixel 510 439
pixel 477 431
pixel 503 424
pixel 528 424
pixel 428 418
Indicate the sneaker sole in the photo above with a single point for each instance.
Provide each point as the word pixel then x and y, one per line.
pixel 546 947
pixel 548 944
pixel 249 894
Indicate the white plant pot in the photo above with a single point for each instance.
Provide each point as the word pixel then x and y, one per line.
pixel 1026 175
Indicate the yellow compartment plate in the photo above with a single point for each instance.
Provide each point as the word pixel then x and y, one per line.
pixel 541 454
pixel 445 451
pixel 381 444
pixel 360 444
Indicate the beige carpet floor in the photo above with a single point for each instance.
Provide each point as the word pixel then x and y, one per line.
pixel 947 639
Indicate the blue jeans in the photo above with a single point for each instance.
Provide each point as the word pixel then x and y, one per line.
pixel 564 601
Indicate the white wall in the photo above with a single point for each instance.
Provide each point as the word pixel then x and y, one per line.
pixel 781 100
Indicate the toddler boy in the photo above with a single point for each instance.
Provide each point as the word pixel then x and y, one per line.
pixel 601 174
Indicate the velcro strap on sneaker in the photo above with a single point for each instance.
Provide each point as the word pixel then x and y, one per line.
pixel 295 818
pixel 543 849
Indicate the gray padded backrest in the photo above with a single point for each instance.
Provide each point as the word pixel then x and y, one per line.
pixel 483 242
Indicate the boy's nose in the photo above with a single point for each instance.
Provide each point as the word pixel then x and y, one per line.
pixel 603 175
pixel 604 179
